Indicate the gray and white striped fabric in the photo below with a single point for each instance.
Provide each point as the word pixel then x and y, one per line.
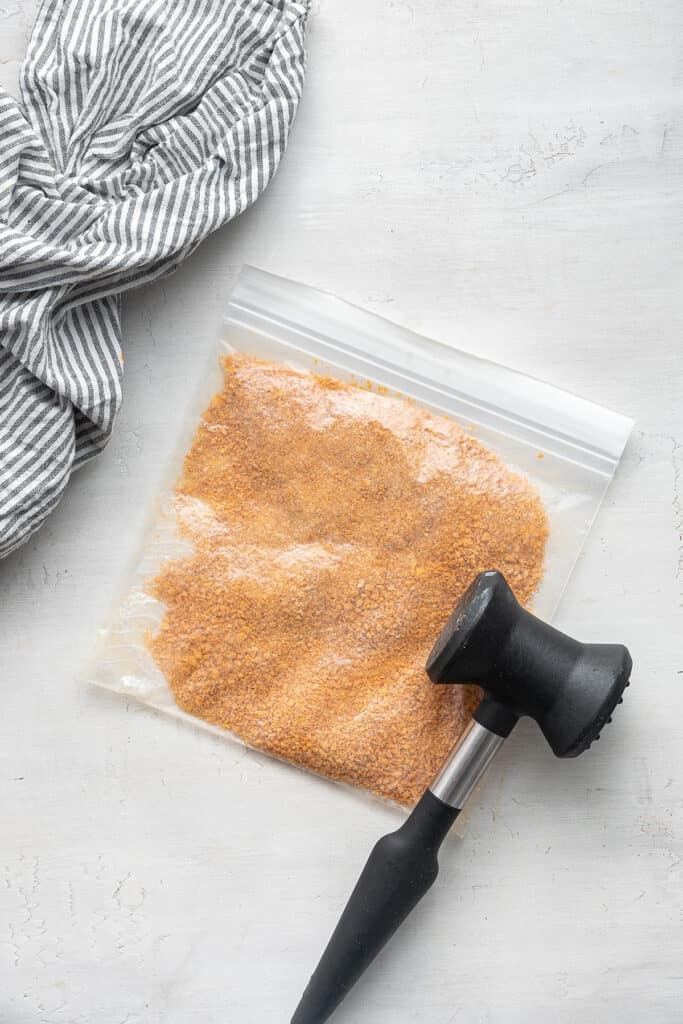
pixel 144 126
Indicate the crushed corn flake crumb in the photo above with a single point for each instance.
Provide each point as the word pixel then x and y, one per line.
pixel 333 529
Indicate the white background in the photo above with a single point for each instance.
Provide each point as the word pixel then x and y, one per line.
pixel 507 176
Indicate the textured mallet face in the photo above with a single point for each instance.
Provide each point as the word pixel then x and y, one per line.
pixel 598 688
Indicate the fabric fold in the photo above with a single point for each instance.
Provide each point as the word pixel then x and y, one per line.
pixel 144 126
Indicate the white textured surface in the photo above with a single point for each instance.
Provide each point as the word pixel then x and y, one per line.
pixel 508 176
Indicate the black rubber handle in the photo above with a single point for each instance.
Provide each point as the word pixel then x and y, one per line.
pixel 401 868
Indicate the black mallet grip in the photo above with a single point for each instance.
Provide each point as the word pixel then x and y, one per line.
pixel 401 868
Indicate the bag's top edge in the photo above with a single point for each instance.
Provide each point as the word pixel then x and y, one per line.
pixel 494 395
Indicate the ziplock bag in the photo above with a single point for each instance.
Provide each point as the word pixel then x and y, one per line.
pixel 567 448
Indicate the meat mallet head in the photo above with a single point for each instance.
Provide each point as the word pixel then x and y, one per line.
pixel 569 688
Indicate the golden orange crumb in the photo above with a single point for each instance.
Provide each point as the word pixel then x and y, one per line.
pixel 333 530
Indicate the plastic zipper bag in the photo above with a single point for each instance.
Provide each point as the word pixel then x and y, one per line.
pixel 200 632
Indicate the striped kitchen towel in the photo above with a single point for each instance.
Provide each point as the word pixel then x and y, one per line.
pixel 144 126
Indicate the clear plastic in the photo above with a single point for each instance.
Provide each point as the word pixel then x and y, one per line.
pixel 567 447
